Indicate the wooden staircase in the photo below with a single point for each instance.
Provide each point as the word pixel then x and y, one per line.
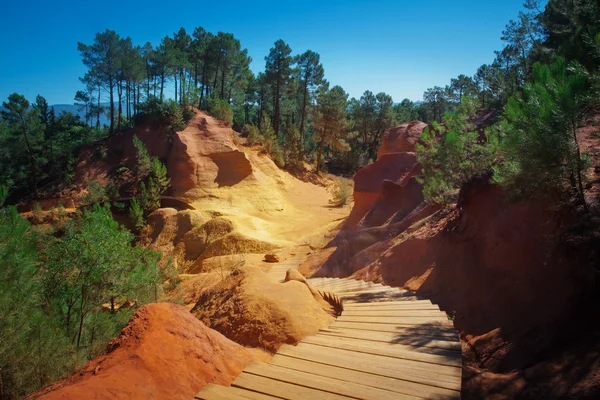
pixel 387 344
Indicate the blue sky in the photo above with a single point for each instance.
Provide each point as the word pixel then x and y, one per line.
pixel 398 47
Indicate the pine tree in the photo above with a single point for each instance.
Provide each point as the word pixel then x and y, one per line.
pixel 278 71
pixel 541 149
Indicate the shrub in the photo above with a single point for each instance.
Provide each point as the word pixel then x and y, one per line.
pixel 96 194
pixel 277 155
pixel 220 109
pixel 137 214
pixel 167 114
pixel 253 134
pixel 340 192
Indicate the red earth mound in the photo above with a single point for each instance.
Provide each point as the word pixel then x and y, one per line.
pixel 163 353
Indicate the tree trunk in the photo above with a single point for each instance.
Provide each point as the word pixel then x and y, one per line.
pixel 162 84
pixel 223 83
pixel 216 71
pixel 33 169
pixel 120 109
pixel 98 111
pixel 277 110
pixel 579 169
pixel 175 77
pixel 112 106
pixel 203 85
pixel 304 102
pixel 321 145
pixel 148 79
pixel 81 315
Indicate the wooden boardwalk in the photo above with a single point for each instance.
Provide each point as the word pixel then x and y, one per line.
pixel 387 344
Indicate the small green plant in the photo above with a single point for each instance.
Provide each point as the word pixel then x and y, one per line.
pixel 253 134
pixel 96 194
pixel 137 214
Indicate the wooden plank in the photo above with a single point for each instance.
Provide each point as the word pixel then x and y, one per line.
pixel 216 392
pixel 281 389
pixel 433 376
pixel 368 379
pixel 405 298
pixel 382 306
pixel 390 320
pixel 344 282
pixel 394 313
pixel 358 297
pixel 412 339
pixel 442 372
pixel 326 384
pixel 392 350
pixel 431 328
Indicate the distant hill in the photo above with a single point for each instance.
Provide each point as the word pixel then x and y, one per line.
pixel 72 108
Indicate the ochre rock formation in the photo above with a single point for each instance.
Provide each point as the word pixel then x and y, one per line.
pixel 252 309
pixel 163 353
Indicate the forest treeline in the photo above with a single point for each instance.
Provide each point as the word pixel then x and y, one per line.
pixel 289 108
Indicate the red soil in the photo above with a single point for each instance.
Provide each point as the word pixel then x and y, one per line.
pixel 164 353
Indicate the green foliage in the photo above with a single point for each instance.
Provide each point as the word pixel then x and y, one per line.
pixel 540 148
pixel 136 213
pixel 157 183
pixel 220 109
pixel 93 264
pixel 252 132
pixel 3 194
pixel 96 193
pixel 329 120
pixel 52 292
pixel 453 153
pixel 143 161
pixel 167 114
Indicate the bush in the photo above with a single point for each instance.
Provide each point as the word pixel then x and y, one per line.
pixel 340 193
pixel 220 109
pixel 277 155
pixel 253 134
pixel 96 194
pixel 167 114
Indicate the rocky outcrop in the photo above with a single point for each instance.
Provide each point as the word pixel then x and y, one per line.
pixel 204 156
pixel 163 353
pixel 368 180
pixel 401 139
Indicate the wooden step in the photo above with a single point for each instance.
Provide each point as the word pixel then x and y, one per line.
pixel 365 378
pixel 284 390
pixel 326 384
pixel 442 357
pixel 425 374
pixel 425 342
